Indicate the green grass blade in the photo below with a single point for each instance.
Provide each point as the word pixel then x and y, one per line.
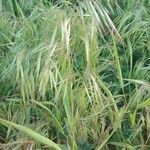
pixel 55 120
pixel 117 63
pixel 29 132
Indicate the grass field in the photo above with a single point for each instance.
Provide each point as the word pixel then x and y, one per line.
pixel 75 75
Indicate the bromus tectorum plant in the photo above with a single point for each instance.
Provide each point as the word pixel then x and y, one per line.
pixel 74 74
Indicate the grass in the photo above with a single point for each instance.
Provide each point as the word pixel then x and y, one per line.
pixel 74 74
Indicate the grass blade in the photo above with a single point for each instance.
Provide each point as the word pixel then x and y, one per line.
pixel 29 132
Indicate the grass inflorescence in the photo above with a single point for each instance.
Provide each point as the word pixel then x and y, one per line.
pixel 74 74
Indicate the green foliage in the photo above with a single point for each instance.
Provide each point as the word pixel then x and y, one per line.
pixel 74 74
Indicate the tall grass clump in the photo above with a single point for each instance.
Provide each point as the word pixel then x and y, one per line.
pixel 74 74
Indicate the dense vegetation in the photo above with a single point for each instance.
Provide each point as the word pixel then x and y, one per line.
pixel 74 74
